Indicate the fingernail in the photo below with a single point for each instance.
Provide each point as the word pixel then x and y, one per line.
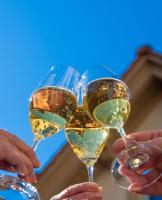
pixel 100 189
pixel 37 163
pixel 130 188
pixel 93 186
pixel 33 178
pixel 13 169
pixel 133 188
pixel 21 173
pixel 28 179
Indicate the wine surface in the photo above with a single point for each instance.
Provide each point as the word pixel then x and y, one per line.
pixel 112 113
pixel 107 100
pixel 86 136
pixel 50 109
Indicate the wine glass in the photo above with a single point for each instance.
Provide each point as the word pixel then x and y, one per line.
pixel 11 186
pixel 108 101
pixel 54 102
pixel 51 105
pixel 86 136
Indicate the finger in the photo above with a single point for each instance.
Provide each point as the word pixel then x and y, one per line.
pixel 159 163
pixel 156 145
pixel 132 176
pixel 25 178
pixel 118 146
pixel 153 189
pixel 86 196
pixel 143 174
pixel 144 180
pixel 143 136
pixel 25 149
pixel 146 135
pixel 20 162
pixel 7 167
pixel 15 159
pixel 78 188
pixel 29 165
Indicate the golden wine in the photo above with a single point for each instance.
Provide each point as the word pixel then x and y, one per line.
pixel 112 113
pixel 86 136
pixel 107 100
pixel 50 109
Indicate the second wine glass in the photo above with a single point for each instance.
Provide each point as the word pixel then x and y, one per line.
pixel 108 101
pixel 86 136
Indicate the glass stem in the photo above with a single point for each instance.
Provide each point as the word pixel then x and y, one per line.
pixel 90 170
pixel 35 144
pixel 123 135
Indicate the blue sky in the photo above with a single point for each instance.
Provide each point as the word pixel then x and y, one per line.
pixel 34 35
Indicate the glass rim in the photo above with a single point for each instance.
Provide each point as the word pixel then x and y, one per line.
pixel 109 78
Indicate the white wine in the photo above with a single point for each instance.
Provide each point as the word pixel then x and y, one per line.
pixel 107 100
pixel 44 124
pixel 50 109
pixel 112 113
pixel 86 136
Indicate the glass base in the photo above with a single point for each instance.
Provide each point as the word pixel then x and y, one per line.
pixel 12 186
pixel 137 167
